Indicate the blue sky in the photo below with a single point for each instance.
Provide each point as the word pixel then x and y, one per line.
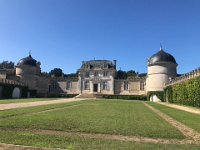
pixel 62 33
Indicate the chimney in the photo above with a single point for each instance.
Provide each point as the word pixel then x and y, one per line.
pixel 115 63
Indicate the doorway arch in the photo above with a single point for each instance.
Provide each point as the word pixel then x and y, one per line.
pixel 16 93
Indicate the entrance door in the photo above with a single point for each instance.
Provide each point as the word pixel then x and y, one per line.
pixel 95 88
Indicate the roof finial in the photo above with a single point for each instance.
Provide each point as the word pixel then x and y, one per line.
pixel 161 49
pixel 30 53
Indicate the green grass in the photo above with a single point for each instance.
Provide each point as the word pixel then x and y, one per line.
pixel 109 117
pixel 189 119
pixel 7 101
pixel 78 143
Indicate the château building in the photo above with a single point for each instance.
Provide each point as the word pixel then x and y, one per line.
pixel 95 77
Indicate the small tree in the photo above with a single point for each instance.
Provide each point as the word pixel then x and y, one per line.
pixel 121 74
pixel 131 73
pixel 7 65
pixel 57 72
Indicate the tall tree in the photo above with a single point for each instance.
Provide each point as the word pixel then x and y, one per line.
pixel 57 72
pixel 7 65
pixel 131 73
pixel 121 74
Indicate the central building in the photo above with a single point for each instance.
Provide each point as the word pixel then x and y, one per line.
pixel 97 77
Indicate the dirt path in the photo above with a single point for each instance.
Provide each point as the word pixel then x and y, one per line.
pixel 39 103
pixel 19 147
pixel 117 137
pixel 188 132
pixel 181 107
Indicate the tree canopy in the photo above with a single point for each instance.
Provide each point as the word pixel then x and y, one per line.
pixel 7 65
pixel 125 74
pixel 56 72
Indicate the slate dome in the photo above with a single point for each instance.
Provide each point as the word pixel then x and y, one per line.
pixel 161 57
pixel 28 61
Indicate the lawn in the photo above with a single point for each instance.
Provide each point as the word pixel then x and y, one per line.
pixel 189 119
pixel 109 117
pixel 78 143
pixel 25 100
pixel 117 117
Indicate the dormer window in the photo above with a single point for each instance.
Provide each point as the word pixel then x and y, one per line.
pixel 87 74
pixel 105 74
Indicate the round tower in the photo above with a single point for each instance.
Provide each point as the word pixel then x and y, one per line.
pixel 161 68
pixel 28 66
pixel 28 71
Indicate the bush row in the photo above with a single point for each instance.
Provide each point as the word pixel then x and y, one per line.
pixel 186 93
pixel 8 90
pixel 126 97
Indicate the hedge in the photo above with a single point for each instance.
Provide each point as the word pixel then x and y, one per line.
pixel 8 90
pixel 185 93
pixel 126 97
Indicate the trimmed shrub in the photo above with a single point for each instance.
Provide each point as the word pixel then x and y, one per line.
pixel 126 97
pixel 185 93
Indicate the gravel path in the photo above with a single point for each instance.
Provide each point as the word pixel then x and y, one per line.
pixel 39 103
pixel 185 130
pixel 181 107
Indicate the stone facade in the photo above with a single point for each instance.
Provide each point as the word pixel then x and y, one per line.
pixel 97 77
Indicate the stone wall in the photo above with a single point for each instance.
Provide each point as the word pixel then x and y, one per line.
pixel 134 87
pixel 184 77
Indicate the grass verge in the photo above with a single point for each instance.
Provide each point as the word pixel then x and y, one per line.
pixel 187 118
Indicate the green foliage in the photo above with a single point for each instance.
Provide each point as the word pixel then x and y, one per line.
pixel 186 93
pixel 72 74
pixel 7 65
pixel 45 74
pixel 56 72
pixel 126 97
pixel 125 74
pixel 132 73
pixel 159 94
pixel 121 74
pixel 8 90
pixel 189 119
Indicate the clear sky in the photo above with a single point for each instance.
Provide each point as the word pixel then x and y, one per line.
pixel 62 33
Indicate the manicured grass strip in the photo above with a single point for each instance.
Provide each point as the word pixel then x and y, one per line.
pixel 26 100
pixel 106 117
pixel 78 143
pixel 189 119
pixel 24 111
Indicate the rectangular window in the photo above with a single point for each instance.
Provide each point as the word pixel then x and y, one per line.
pixel 69 85
pixel 95 73
pixel 54 85
pixel 87 74
pixel 105 74
pixel 87 85
pixel 126 86
pixel 141 86
pixel 105 85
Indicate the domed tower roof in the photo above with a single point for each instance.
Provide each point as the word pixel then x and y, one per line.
pixel 28 61
pixel 161 57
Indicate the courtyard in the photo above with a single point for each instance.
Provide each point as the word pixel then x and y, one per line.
pixel 98 124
